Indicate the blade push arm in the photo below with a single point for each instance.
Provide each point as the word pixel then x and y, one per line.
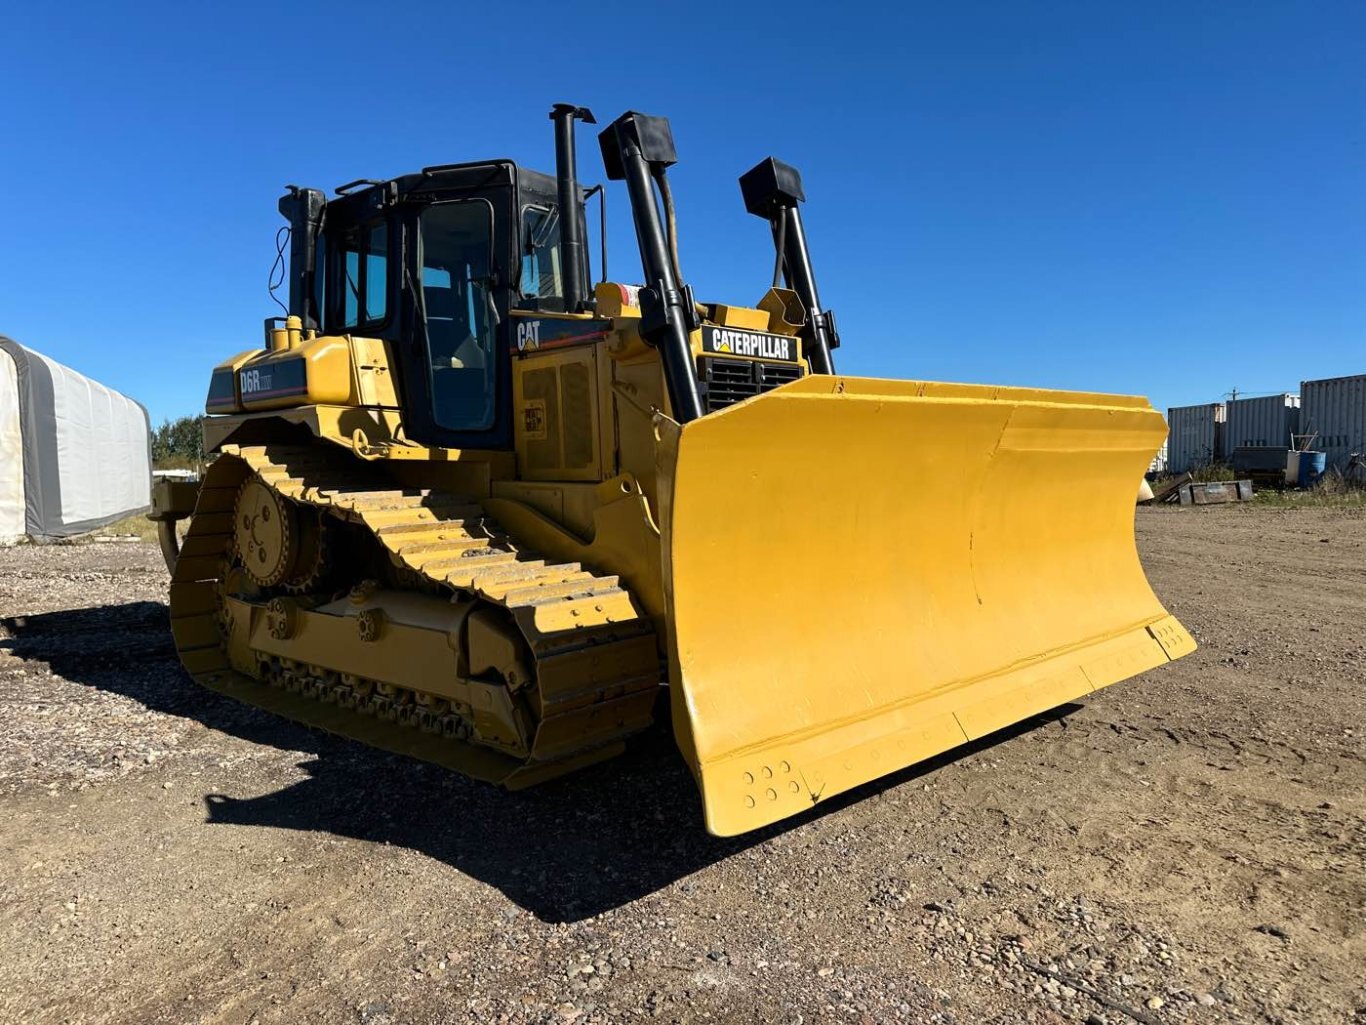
pixel 772 191
pixel 636 148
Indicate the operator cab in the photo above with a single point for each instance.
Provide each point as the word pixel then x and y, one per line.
pixel 434 263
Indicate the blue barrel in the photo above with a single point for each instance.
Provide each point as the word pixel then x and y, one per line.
pixel 1312 465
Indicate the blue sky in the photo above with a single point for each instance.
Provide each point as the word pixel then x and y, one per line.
pixel 1162 198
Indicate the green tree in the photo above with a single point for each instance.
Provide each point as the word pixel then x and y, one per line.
pixel 179 444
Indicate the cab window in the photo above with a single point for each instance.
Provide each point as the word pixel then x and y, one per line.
pixel 541 274
pixel 363 259
pixel 458 317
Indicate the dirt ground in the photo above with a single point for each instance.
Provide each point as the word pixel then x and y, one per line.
pixel 1189 846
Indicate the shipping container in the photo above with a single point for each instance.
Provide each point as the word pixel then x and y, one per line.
pixel 1195 436
pixel 1335 409
pixel 1267 421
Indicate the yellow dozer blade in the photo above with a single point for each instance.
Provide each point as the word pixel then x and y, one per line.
pixel 865 573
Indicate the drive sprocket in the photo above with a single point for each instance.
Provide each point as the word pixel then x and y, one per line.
pixel 277 541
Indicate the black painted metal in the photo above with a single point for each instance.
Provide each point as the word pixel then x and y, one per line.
pixel 773 190
pixel 818 332
pixel 570 201
pixel 304 210
pixel 637 147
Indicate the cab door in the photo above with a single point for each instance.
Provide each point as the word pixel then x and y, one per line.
pixel 456 369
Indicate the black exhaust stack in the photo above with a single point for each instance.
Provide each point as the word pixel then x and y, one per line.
pixel 772 191
pixel 571 201
pixel 303 208
pixel 638 147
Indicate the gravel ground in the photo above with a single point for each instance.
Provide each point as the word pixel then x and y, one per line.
pixel 1185 847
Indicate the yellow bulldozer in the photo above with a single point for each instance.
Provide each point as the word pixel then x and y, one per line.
pixel 468 507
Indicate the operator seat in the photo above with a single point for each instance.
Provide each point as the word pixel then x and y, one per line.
pixel 462 391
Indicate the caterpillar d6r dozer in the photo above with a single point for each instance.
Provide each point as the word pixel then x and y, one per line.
pixel 466 507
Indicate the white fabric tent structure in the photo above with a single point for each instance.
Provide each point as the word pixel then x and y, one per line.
pixel 74 455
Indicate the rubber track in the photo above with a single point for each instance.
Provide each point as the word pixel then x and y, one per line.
pixel 594 678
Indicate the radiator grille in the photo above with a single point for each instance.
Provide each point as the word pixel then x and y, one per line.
pixel 728 381
pixel 579 436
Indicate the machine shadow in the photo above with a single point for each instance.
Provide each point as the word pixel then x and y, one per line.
pixel 127 649
pixel 564 851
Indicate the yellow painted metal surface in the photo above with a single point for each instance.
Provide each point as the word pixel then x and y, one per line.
pixel 740 316
pixel 373 368
pixel 861 574
pixel 347 370
pixel 556 422
pixel 852 575
pixel 317 371
pixel 224 394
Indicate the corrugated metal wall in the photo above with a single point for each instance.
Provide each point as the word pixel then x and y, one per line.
pixel 1267 420
pixel 1336 408
pixel 1195 436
